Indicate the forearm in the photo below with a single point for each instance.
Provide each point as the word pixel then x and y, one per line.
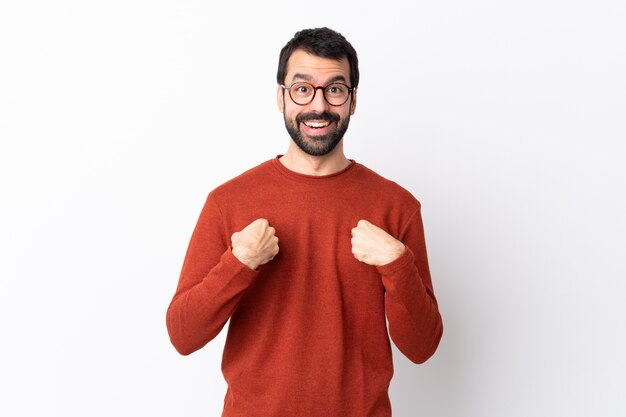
pixel 415 324
pixel 198 313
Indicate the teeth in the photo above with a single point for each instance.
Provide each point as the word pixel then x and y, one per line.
pixel 317 124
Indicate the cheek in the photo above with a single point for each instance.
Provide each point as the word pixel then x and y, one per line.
pixel 290 113
pixel 345 115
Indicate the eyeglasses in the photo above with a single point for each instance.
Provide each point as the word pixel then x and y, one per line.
pixel 302 93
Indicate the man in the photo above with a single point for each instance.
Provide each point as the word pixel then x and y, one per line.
pixel 307 334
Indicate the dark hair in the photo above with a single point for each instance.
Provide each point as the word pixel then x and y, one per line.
pixel 322 42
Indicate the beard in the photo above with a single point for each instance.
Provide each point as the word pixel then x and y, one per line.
pixel 317 145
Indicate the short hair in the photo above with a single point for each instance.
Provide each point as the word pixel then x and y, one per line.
pixel 322 42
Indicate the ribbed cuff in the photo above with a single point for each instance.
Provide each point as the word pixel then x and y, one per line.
pixel 232 261
pixel 229 271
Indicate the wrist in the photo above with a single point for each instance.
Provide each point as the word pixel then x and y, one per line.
pixel 395 252
pixel 247 261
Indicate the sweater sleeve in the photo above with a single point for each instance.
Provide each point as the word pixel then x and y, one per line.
pixel 415 325
pixel 211 284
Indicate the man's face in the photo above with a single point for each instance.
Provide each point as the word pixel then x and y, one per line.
pixel 316 127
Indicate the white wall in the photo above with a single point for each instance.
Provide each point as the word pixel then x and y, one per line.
pixel 506 119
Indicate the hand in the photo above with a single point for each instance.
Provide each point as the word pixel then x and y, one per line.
pixel 373 246
pixel 256 244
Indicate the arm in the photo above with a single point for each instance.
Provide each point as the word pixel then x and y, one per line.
pixel 214 277
pixel 415 325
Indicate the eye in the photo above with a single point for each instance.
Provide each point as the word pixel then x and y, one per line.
pixel 336 89
pixel 301 89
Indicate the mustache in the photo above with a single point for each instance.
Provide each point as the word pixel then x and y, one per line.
pixel 328 116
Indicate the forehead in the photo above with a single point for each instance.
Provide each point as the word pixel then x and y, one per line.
pixel 316 68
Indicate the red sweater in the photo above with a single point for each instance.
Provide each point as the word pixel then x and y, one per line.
pixel 307 334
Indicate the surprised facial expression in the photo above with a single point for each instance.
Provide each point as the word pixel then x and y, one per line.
pixel 316 127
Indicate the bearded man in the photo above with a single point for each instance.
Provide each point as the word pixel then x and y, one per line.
pixel 308 333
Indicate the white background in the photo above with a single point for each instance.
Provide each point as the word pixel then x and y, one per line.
pixel 507 120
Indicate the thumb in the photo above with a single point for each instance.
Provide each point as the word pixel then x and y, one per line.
pixel 362 223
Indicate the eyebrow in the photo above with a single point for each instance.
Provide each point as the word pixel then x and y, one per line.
pixel 307 77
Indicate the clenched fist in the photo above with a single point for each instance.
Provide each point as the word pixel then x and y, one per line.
pixel 373 246
pixel 256 244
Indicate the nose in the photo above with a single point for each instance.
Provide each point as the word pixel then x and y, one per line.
pixel 319 103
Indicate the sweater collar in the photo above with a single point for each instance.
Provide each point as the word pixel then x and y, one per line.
pixel 316 179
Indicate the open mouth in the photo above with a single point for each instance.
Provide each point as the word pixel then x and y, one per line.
pixel 316 124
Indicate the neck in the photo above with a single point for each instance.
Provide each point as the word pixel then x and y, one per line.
pixel 299 161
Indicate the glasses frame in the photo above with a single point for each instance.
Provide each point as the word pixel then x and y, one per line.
pixel 315 88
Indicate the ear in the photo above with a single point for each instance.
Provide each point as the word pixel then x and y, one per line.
pixel 280 98
pixel 353 102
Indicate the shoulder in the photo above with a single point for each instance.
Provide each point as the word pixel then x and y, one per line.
pixel 244 182
pixel 386 188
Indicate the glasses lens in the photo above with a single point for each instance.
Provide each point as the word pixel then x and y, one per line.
pixel 336 94
pixel 301 93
